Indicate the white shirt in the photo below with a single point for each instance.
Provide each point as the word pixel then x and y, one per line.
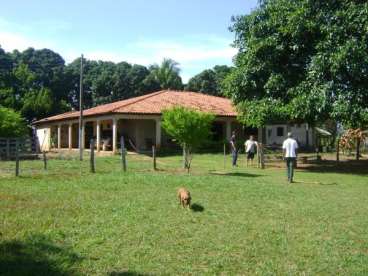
pixel 290 146
pixel 250 146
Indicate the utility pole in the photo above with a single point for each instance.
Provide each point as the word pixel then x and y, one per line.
pixel 81 110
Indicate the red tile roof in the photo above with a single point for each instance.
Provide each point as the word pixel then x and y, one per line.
pixel 155 103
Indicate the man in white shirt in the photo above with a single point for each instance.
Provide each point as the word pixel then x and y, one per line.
pixel 290 147
pixel 250 149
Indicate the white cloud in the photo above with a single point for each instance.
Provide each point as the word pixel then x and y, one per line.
pixel 184 53
pixel 10 41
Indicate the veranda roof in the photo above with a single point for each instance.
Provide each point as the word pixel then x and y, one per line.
pixel 154 104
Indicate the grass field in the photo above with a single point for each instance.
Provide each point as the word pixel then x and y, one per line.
pixel 66 221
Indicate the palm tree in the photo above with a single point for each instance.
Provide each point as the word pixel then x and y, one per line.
pixel 167 74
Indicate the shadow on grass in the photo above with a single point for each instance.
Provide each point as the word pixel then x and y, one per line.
pixel 36 255
pixel 347 167
pixel 316 183
pixel 195 207
pixel 239 174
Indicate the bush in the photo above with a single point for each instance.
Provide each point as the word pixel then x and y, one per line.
pixel 189 128
pixel 11 123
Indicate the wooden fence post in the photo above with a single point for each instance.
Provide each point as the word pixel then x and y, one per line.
pixel 261 161
pixel 224 155
pixel 44 160
pixel 92 158
pixel 154 157
pixel 338 150
pixel 16 158
pixel 123 153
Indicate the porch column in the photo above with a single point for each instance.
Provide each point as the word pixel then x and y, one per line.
pixel 114 135
pixel 98 135
pixel 158 133
pixel 70 135
pixel 228 130
pixel 59 136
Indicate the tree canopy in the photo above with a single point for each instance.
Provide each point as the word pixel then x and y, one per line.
pixel 209 81
pixel 301 61
pixel 37 83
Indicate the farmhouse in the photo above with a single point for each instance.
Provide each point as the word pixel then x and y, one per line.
pixel 138 120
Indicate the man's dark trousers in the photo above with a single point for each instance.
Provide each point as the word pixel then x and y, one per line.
pixel 234 154
pixel 290 164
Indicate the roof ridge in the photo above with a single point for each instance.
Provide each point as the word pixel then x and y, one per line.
pixel 141 98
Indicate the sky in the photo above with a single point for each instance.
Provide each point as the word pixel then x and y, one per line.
pixel 192 32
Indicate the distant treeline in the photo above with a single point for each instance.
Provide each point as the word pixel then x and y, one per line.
pixel 38 83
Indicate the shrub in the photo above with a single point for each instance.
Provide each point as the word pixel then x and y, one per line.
pixel 189 128
pixel 11 123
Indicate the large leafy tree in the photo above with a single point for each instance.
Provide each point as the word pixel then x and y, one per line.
pixel 301 60
pixel 48 70
pixel 209 81
pixel 167 74
pixel 7 97
pixel 6 67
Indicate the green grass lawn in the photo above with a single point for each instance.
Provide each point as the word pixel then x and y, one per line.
pixel 67 221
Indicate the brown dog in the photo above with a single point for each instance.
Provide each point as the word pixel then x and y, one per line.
pixel 184 197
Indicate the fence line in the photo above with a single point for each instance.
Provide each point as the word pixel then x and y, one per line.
pixel 8 147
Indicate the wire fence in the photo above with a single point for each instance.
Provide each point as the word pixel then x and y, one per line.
pixel 9 147
pixel 67 162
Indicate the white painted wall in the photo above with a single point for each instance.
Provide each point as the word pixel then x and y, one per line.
pixel 271 134
pixel 299 132
pixel 44 136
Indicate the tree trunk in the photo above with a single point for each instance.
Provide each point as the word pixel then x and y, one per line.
pixel 184 157
pixel 187 159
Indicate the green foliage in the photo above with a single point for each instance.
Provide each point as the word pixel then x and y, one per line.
pixel 167 74
pixel 105 82
pixel 309 56
pixel 188 127
pixel 209 81
pixel 37 103
pixel 260 112
pixel 38 83
pixel 11 123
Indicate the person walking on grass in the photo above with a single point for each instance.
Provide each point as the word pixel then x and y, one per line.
pixel 290 147
pixel 234 150
pixel 250 149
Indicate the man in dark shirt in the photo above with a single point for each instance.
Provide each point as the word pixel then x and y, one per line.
pixel 234 151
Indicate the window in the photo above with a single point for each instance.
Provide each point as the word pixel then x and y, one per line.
pixel 280 132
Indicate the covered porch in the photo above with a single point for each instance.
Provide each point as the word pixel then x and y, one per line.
pixel 140 133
